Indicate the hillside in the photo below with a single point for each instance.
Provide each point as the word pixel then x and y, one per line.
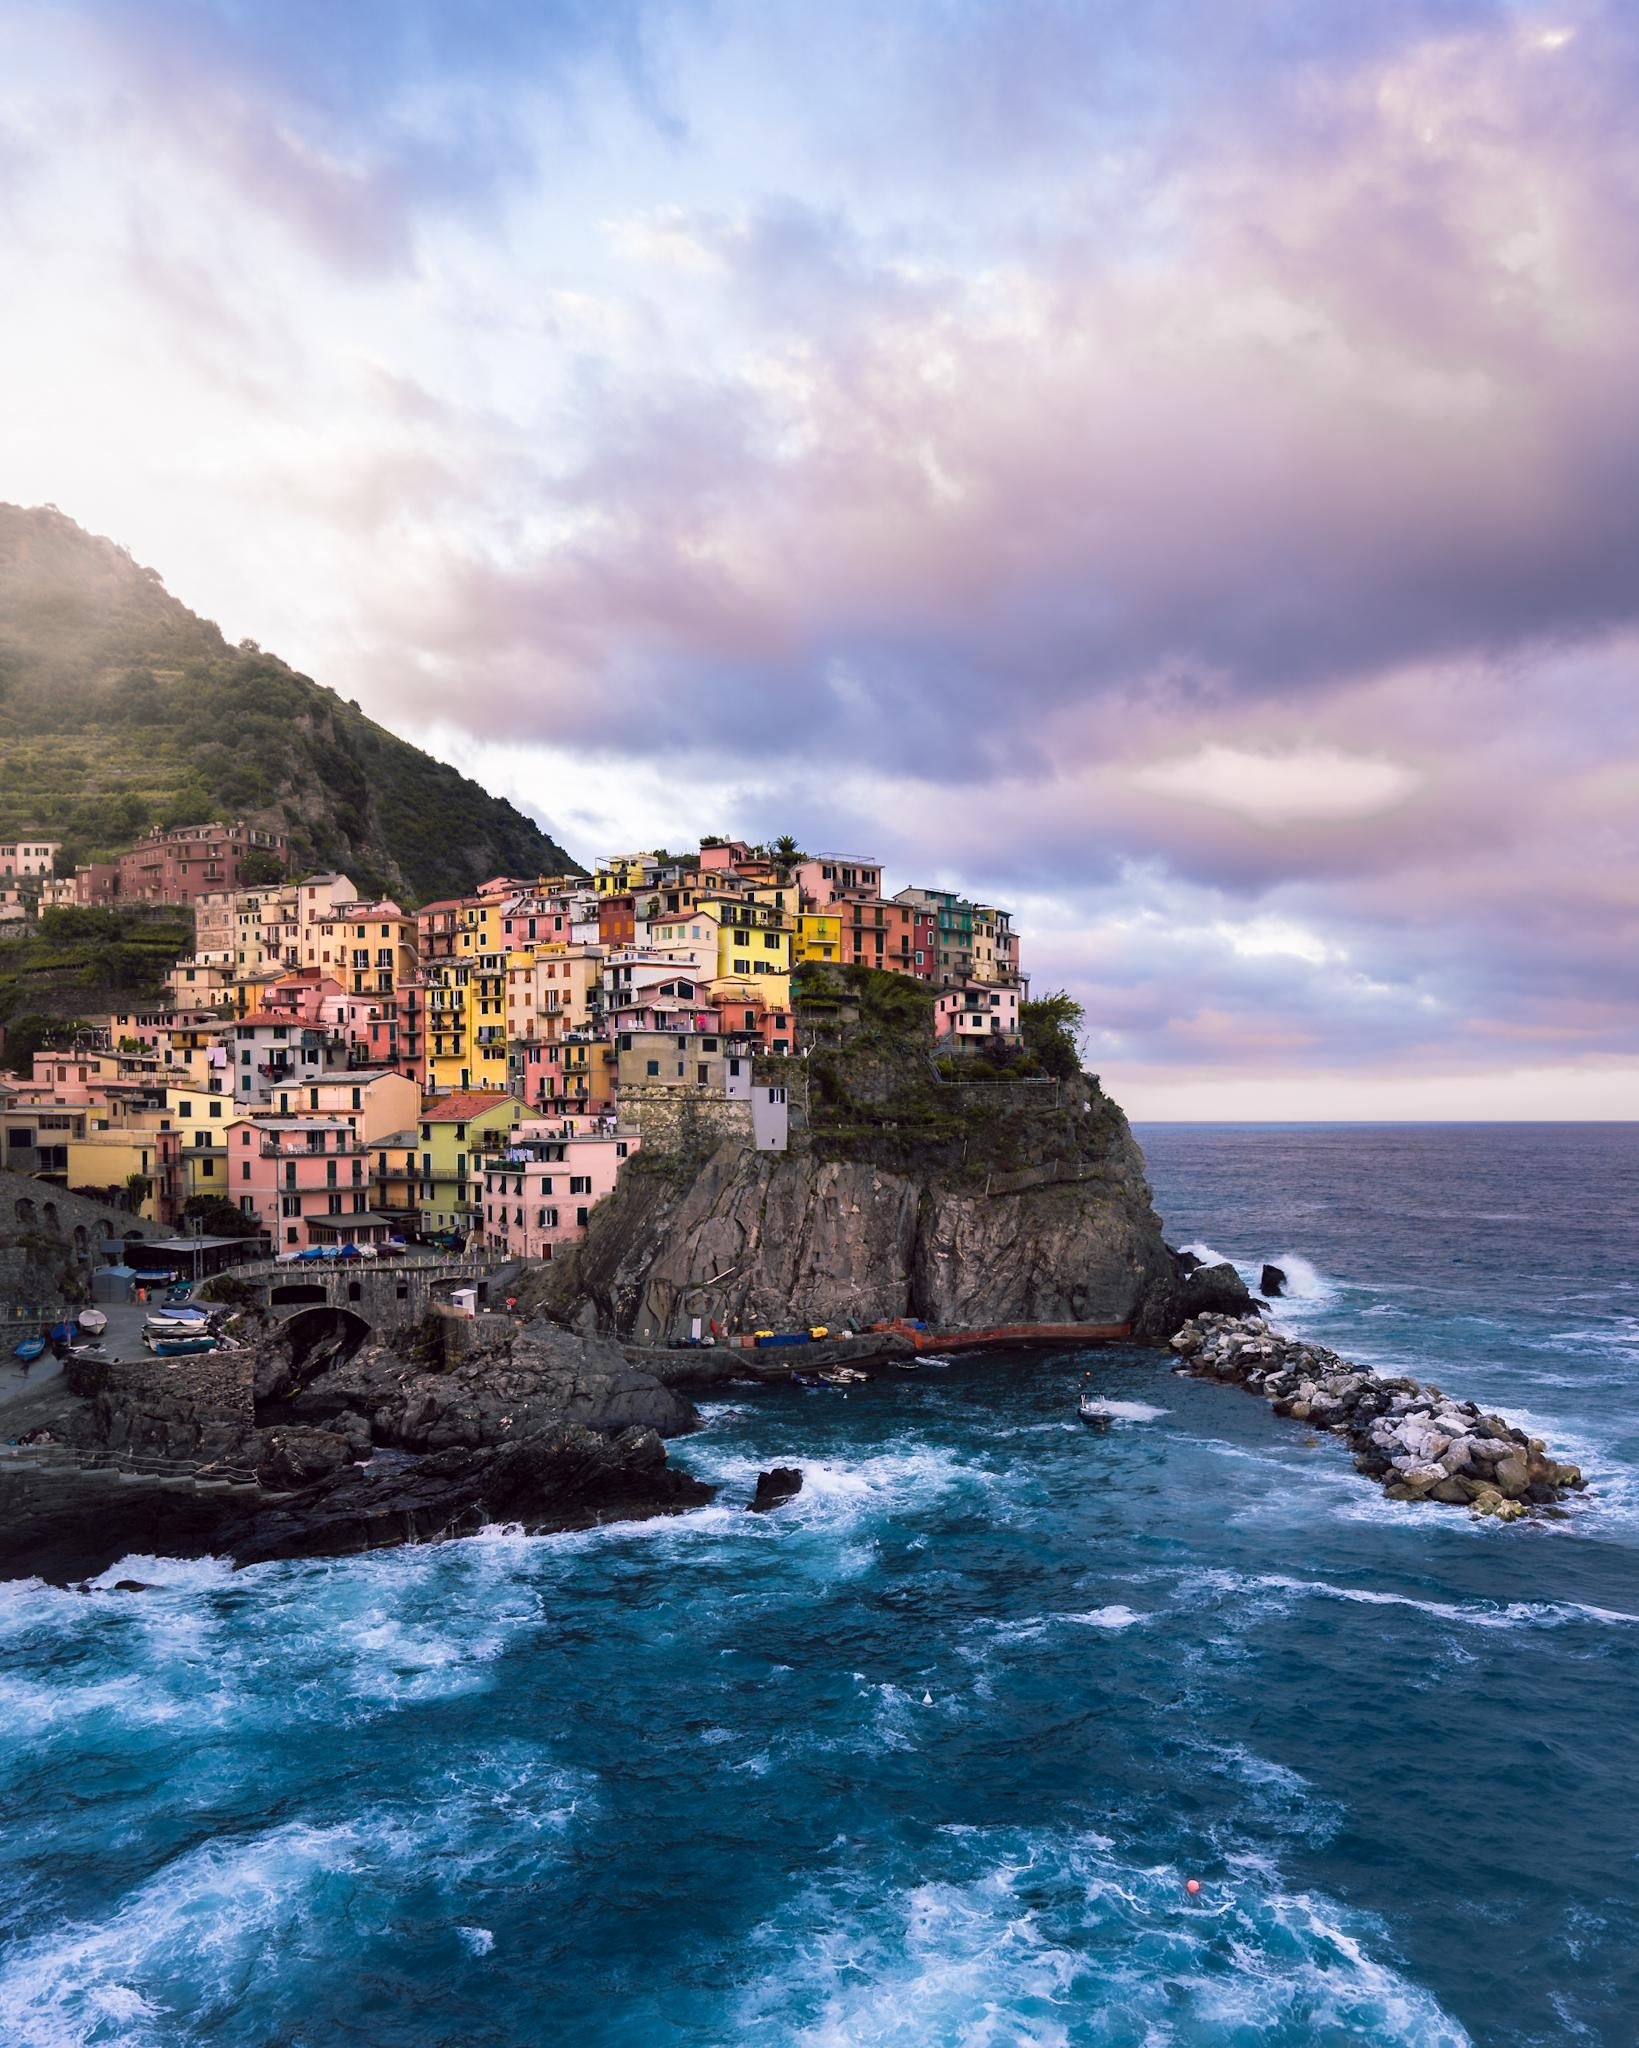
pixel 121 709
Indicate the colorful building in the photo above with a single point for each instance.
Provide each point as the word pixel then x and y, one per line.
pixel 458 1132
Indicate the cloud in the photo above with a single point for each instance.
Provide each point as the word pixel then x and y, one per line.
pixel 1171 469
pixel 1316 783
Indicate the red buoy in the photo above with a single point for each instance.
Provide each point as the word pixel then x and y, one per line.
pixel 1193 1886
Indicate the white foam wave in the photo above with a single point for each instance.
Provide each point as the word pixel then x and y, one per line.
pixel 1206 1255
pixel 1488 1614
pixel 1125 1411
pixel 1114 1616
pixel 1305 1283
pixel 195 1933
pixel 1057 1941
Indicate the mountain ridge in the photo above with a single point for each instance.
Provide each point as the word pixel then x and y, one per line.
pixel 121 709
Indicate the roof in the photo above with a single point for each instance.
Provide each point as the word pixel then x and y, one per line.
pixel 461 1109
pixel 276 1017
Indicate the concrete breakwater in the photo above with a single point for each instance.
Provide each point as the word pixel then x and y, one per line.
pixel 1416 1440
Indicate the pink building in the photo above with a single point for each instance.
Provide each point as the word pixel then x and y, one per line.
pixel 976 1014
pixel 837 877
pixel 541 1193
pixel 306 1180
pixel 181 865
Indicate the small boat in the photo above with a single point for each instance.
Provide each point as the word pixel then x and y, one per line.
pixel 179 1292
pixel 843 1376
pixel 1093 1413
pixel 93 1320
pixel 177 1347
pixel 906 1364
pixel 64 1333
pixel 811 1380
pixel 29 1349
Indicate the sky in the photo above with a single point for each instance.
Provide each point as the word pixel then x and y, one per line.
pixel 1169 469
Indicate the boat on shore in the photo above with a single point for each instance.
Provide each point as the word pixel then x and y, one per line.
pixel 29 1350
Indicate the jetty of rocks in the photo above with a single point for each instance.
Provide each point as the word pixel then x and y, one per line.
pixel 1419 1442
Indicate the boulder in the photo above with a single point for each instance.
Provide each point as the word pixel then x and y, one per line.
pixel 1272 1282
pixel 783 1483
pixel 1513 1475
pixel 1216 1290
pixel 289 1459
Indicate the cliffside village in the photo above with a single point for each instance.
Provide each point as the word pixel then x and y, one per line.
pixel 348 1073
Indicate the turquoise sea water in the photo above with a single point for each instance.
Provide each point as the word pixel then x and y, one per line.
pixel 927 1756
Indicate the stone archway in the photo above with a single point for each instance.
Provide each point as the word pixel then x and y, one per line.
pixel 25 1213
pixel 298 1293
pixel 320 1338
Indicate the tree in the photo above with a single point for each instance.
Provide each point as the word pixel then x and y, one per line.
pixel 1051 1028
pixel 139 1187
pixel 260 870
pixel 786 850
pixel 219 1217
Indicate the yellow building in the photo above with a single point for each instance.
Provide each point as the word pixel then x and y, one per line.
pixel 819 936
pixel 111 1158
pixel 457 1133
pixel 201 1116
pixel 626 872
pixel 466 1024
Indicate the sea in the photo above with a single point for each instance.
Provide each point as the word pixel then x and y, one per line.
pixel 932 1754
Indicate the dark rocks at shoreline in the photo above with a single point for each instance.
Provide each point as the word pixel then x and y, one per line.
pixel 774 1488
pixel 1272 1282
pixel 1215 1290
pixel 271 1452
pixel 568 1477
pixel 1418 1442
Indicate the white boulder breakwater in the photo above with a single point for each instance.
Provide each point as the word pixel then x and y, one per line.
pixel 1416 1440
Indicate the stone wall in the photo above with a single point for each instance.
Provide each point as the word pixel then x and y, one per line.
pixel 50 1240
pixel 671 1120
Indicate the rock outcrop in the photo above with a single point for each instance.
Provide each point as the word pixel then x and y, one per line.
pixel 774 1488
pixel 1054 1226
pixel 1417 1441
pixel 264 1453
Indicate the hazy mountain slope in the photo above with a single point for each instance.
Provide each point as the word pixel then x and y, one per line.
pixel 121 709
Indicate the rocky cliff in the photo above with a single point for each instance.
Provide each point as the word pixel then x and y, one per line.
pixel 970 1205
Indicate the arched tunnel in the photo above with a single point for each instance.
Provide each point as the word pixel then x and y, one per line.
pixel 320 1337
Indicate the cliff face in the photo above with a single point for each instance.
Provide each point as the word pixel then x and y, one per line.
pixel 1028 1216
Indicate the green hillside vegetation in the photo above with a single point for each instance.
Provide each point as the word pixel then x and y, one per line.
pixel 82 963
pixel 120 710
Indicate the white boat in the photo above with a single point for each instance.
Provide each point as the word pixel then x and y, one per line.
pixel 92 1319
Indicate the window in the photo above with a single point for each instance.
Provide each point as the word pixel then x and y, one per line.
pixel 580 1183
pixel 290 1205
pixel 292 1235
pixel 654 1068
